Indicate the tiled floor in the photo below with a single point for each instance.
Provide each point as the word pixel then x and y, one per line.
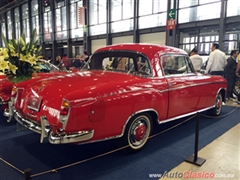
pixel 222 158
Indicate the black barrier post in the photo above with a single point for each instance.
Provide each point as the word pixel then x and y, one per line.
pixel 27 174
pixel 194 159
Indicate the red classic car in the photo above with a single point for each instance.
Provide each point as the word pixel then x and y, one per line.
pixel 47 69
pixel 138 86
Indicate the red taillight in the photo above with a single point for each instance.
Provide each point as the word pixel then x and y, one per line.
pixel 64 108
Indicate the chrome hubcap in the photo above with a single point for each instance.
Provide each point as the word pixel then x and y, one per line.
pixel 139 132
pixel 218 104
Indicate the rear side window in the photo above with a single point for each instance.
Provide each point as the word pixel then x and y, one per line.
pixel 122 61
pixel 175 64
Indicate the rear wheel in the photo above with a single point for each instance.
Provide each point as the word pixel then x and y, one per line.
pixel 236 89
pixel 216 111
pixel 137 133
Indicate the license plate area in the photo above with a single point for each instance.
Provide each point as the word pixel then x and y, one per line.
pixel 34 103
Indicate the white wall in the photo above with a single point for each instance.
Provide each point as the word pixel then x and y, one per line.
pixel 98 43
pixel 123 39
pixel 155 38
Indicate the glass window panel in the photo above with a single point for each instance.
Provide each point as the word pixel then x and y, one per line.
pixel 34 8
pixel 209 11
pixel 187 3
pixel 207 1
pixel 47 37
pixel 98 29
pixel 3 30
pixel 204 12
pixel 116 10
pixel 102 11
pixel 233 8
pixel 192 39
pixel 121 26
pixel 24 11
pixel 26 29
pixel 61 35
pixel 64 18
pixel 60 3
pixel 186 40
pixel 184 15
pixel 76 33
pixel 17 23
pixel 128 9
pixel 35 22
pixel 229 46
pixel 145 7
pixel 72 1
pixel 9 24
pixel 93 11
pixel 152 20
pixel 159 6
pixel 49 21
pixel 58 20
pixel 73 15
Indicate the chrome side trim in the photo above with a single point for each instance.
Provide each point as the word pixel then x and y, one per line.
pixel 185 115
pixel 193 85
pixel 70 138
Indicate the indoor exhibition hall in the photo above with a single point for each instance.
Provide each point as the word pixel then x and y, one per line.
pixel 119 89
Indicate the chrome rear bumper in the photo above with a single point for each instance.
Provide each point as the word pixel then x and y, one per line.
pixel 45 130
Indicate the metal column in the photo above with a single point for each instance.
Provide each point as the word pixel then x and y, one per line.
pixel 136 38
pixel 30 18
pixel 69 41
pixel 108 23
pixel 54 42
pixel 222 28
pixel 86 40
pixel 171 35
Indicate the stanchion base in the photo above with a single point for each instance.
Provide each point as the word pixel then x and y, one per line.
pixel 199 161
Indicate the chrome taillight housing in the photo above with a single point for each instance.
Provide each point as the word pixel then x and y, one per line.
pixel 14 94
pixel 64 112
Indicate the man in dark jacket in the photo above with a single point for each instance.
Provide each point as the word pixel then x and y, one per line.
pixel 230 73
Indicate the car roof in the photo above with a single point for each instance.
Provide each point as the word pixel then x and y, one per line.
pixel 145 48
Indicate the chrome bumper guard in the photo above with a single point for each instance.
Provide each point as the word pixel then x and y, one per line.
pixel 45 130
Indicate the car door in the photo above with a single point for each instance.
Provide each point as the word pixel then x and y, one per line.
pixel 183 83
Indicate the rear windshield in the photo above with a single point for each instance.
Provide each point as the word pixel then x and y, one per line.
pixel 121 61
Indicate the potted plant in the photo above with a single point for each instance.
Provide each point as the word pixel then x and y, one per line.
pixel 18 58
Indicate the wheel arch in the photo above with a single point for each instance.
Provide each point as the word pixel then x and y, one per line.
pixel 152 112
pixel 223 93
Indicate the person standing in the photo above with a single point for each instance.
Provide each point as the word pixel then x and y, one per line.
pixel 196 60
pixel 230 73
pixel 66 62
pixel 238 75
pixel 217 61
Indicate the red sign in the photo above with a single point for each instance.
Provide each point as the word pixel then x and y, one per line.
pixel 171 24
pixel 81 15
